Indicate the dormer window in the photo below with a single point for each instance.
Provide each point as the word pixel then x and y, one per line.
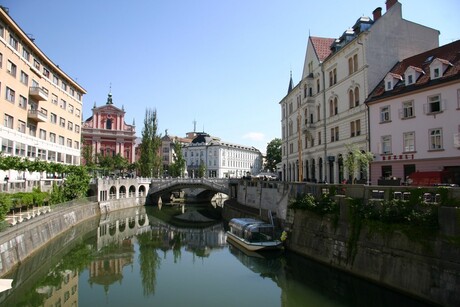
pixel 412 74
pixel 438 67
pixel 391 80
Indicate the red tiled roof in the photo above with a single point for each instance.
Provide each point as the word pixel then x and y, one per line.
pixel 322 46
pixel 448 54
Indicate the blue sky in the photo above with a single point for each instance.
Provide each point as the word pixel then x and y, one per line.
pixel 223 64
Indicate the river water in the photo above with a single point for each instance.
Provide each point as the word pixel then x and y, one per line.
pixel 135 257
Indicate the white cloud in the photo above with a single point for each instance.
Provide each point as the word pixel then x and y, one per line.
pixel 254 136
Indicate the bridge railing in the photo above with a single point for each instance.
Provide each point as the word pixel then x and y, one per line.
pixel 216 183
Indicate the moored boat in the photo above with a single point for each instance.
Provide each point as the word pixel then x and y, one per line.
pixel 253 234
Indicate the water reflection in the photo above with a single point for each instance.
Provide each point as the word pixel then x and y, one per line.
pixel 139 257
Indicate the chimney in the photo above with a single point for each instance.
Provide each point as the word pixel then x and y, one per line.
pixel 390 3
pixel 377 13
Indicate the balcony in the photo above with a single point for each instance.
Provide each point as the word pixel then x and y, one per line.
pixel 37 116
pixel 38 93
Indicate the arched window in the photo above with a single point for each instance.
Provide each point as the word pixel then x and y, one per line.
pixel 351 99
pixel 356 96
pixel 336 106
pixel 108 124
pixel 331 107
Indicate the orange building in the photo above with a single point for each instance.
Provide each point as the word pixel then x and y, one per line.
pixel 107 133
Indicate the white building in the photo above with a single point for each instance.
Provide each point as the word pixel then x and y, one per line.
pixel 325 111
pixel 414 115
pixel 220 159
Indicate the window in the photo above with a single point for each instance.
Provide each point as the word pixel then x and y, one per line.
pixel 1 60
pixel 71 108
pixel 31 151
pixel 20 149
pixel 351 99
pixel 318 87
pixel 24 78
pixel 355 128
pixel 63 104
pixel 436 73
pixel 46 72
pixel 54 99
pixel 11 68
pixel 435 139
pixel 69 143
pixel 409 141
pixel 14 42
pixel 334 134
pixel 55 80
pixel 26 54
pixel 8 121
pixel 318 112
pixel 53 118
pixel 52 137
pixel 61 140
pixel 353 64
pixel 41 154
pixel 21 126
pixel 64 86
pixel 61 122
pixel 410 79
pixel 36 64
pixel 333 107
pixel 2 30
pixel 22 102
pixel 356 96
pixel 70 125
pixel 7 146
pixel 434 104
pixel 458 99
pixel 42 134
pixel 408 109
pixel 386 144
pixel 10 95
pixel 319 137
pixel 76 145
pixel 32 130
pixel 77 112
pixel 384 114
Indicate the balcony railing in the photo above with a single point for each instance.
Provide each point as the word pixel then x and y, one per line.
pixel 38 93
pixel 37 115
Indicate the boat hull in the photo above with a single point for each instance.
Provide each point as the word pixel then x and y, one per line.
pixel 254 246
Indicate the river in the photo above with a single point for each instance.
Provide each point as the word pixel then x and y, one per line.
pixel 138 257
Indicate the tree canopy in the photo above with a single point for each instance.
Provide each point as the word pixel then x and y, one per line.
pixel 149 161
pixel 273 154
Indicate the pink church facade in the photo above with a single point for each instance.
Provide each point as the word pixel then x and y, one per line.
pixel 107 133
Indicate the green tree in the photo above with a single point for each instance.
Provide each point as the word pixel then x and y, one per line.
pixel 149 161
pixel 120 163
pixel 273 154
pixel 177 168
pixel 357 159
pixel 202 169
pixel 87 155
pixel 76 183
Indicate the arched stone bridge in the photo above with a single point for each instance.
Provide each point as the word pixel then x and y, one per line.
pixel 120 188
pixel 164 187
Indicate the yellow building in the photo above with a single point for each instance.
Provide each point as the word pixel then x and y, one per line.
pixel 40 105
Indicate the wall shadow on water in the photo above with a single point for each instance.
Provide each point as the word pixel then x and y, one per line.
pixel 337 286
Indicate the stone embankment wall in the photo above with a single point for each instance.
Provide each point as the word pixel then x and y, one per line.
pixel 428 269
pixel 22 240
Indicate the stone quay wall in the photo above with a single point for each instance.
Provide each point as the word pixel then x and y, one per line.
pixel 428 269
pixel 23 239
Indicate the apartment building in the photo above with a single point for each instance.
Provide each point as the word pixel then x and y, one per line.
pixel 107 133
pixel 168 152
pixel 414 117
pixel 325 113
pixel 40 105
pixel 220 159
